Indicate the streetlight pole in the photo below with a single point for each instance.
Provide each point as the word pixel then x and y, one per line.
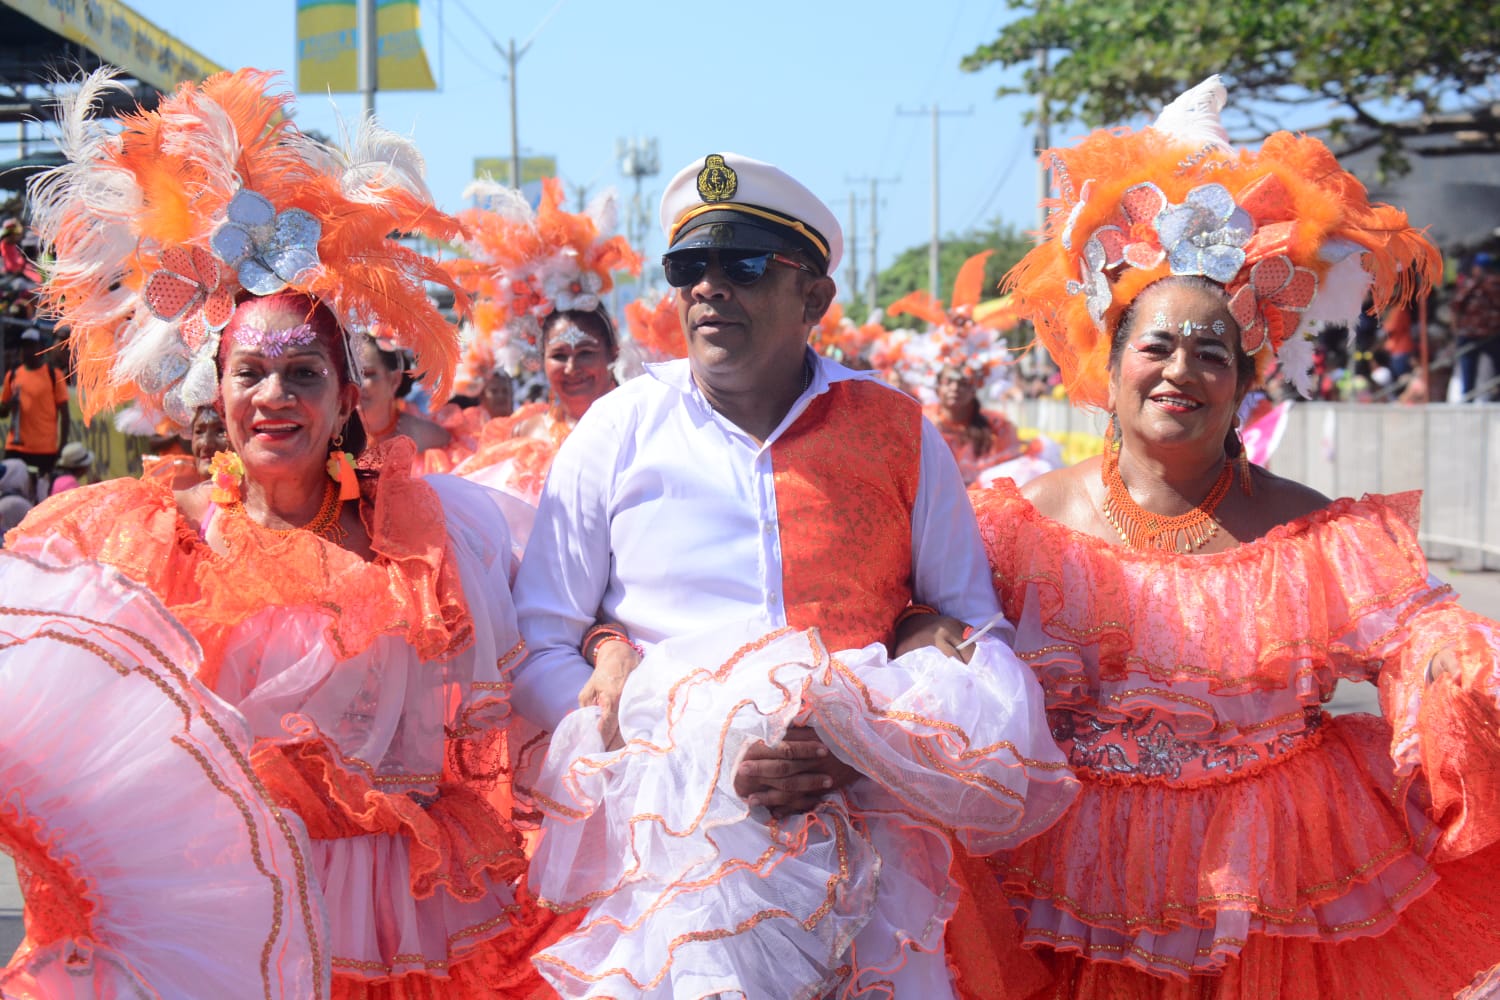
pixel 367 55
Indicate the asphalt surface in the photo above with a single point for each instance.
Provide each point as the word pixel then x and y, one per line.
pixel 1479 591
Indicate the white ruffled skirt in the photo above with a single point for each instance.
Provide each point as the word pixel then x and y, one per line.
pixel 689 892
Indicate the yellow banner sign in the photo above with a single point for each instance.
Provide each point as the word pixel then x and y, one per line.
pixel 121 37
pixel 328 54
pixel 497 168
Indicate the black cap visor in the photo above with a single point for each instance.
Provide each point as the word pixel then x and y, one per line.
pixel 727 229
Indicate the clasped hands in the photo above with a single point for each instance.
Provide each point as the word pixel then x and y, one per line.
pixel 792 776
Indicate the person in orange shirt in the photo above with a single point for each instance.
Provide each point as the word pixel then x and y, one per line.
pixel 35 397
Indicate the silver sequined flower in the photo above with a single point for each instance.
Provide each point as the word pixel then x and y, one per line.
pixel 1093 282
pixel 1206 234
pixel 269 249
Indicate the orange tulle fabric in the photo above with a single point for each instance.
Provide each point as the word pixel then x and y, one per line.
pixel 516 452
pixel 59 903
pixel 454 840
pixel 1229 839
pixel 410 589
pixel 841 479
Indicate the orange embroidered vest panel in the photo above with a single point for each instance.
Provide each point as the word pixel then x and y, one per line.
pixel 846 476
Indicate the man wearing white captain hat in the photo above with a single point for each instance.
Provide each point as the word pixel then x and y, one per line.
pixel 752 479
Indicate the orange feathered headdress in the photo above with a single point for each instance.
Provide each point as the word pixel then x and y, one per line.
pixel 158 229
pixel 1288 233
pixel 521 266
pixel 838 337
pixel 960 335
pixel 656 330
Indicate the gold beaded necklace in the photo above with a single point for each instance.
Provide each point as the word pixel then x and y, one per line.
pixel 1140 528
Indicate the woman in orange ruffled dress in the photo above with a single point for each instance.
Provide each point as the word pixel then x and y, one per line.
pixel 537 280
pixel 383 384
pixel 578 349
pixel 1188 614
pixel 354 620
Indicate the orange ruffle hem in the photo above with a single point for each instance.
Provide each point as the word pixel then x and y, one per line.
pixel 1230 839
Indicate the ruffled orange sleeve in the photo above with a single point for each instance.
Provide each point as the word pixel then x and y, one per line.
pixel 1449 728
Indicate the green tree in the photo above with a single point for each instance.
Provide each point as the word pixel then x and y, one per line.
pixel 1394 67
pixel 908 272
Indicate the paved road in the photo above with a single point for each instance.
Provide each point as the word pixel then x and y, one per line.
pixel 1479 592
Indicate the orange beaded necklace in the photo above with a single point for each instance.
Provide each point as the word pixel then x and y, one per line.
pixel 324 523
pixel 1140 528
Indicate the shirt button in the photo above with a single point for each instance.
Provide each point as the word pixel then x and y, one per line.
pixel 772 597
pixel 769 528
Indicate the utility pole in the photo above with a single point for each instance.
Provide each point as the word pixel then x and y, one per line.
pixel 937 236
pixel 853 245
pixel 511 57
pixel 367 56
pixel 873 280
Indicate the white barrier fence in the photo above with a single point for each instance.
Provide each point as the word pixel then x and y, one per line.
pixel 1347 449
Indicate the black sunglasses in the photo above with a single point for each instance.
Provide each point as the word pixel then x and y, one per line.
pixel 740 268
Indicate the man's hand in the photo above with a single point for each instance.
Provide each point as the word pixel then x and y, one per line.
pixel 940 631
pixel 614 661
pixel 792 776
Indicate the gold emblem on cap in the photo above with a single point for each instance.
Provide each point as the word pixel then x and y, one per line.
pixel 717 180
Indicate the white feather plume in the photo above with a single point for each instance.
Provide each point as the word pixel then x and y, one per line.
pixel 375 160
pixel 604 209
pixel 138 420
pixel 504 201
pixel 1296 357
pixel 208 137
pixel 1194 116
pixel 95 206
pixel 1341 291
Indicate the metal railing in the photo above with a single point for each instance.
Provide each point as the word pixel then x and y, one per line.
pixel 1348 449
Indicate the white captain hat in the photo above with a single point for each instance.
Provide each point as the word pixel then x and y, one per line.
pixel 726 201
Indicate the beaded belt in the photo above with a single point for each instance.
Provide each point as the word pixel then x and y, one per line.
pixel 1146 748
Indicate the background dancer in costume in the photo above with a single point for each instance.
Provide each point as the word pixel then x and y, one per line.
pixel 538 281
pixel 1188 613
pixel 357 620
pixel 741 513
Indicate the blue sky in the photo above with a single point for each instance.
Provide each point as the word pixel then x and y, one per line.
pixel 813 86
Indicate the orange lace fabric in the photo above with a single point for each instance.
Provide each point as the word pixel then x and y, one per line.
pixel 1004 442
pixel 1219 804
pixel 363 682
pixel 410 589
pixel 848 469
pixel 512 456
